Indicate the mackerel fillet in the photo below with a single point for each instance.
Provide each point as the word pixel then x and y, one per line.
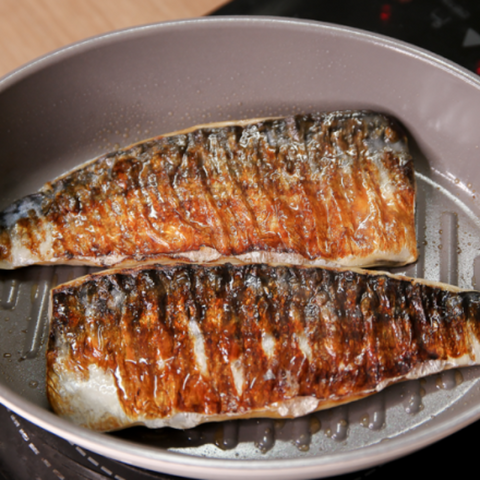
pixel 321 189
pixel 181 345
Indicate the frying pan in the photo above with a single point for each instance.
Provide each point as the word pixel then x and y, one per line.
pixel 113 90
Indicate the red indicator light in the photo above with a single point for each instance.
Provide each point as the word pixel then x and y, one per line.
pixel 385 13
pixel 478 67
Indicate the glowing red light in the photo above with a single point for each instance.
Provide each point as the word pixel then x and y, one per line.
pixel 385 12
pixel 478 67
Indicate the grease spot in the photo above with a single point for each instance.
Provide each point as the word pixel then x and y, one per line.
pixel 315 425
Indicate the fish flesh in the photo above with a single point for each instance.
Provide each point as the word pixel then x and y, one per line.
pixel 333 188
pixel 180 345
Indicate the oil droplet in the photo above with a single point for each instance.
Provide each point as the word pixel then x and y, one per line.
pixel 219 439
pixel 469 185
pixel 33 384
pixel 267 440
pixel 7 355
pixel 315 425
pixel 365 420
pixel 440 246
pixel 447 380
pixel 413 403
pixel 302 445
pixel 439 383
pixel 458 377
pixel 457 180
pixel 328 432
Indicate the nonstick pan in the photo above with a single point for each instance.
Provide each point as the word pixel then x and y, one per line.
pixel 113 90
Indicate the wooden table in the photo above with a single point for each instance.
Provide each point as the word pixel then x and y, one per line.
pixel 31 28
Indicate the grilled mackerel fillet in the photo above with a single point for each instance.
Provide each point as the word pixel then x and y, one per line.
pixel 335 188
pixel 181 345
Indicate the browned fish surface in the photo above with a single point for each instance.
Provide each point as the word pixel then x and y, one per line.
pixel 315 189
pixel 180 345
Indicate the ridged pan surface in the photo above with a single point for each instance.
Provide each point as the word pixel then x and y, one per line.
pixel 115 90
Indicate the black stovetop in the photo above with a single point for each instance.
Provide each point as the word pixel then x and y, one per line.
pixel 28 452
pixel 450 28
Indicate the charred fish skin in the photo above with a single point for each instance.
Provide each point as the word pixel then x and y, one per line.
pixel 181 345
pixel 330 188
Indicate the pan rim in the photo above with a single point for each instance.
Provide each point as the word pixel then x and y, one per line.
pixel 204 22
pixel 161 460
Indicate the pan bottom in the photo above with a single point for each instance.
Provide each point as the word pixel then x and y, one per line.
pixel 448 237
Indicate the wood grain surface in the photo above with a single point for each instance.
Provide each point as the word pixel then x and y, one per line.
pixel 31 28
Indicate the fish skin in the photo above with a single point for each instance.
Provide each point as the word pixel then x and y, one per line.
pixel 181 345
pixel 330 188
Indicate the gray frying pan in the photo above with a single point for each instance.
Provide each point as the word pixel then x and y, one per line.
pixel 113 90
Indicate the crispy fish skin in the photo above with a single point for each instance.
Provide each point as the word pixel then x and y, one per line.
pixel 332 188
pixel 181 345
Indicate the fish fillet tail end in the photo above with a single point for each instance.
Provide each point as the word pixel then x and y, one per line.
pixel 20 213
pixel 5 248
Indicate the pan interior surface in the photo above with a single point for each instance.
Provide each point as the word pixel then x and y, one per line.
pixel 118 89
